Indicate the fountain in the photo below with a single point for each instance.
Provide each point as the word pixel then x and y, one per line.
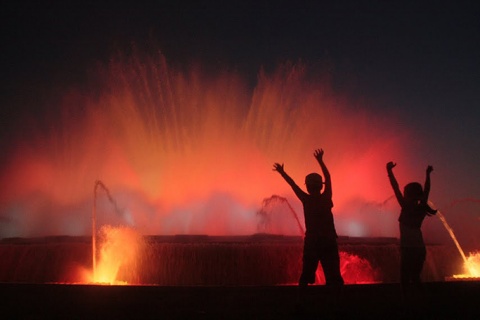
pixel 187 152
pixel 98 184
pixel 188 155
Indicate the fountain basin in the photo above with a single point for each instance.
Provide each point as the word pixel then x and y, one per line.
pixel 201 260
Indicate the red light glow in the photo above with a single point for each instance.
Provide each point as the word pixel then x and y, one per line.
pixel 354 270
pixel 186 153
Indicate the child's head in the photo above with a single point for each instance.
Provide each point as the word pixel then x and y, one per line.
pixel 413 192
pixel 314 183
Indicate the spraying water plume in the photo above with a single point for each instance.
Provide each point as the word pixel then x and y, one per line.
pixel 190 152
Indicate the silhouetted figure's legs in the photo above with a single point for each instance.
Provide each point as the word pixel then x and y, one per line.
pixel 310 261
pixel 330 261
pixel 412 262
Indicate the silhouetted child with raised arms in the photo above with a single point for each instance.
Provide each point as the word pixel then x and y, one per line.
pixel 414 204
pixel 320 243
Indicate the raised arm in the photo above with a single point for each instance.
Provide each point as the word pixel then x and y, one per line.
pixel 426 192
pixel 394 183
pixel 318 154
pixel 426 188
pixel 280 169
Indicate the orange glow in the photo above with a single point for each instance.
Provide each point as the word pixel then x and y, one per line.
pixel 120 255
pixel 186 153
pixel 471 266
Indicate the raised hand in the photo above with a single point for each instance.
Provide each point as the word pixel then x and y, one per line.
pixel 318 154
pixel 391 165
pixel 278 167
pixel 429 169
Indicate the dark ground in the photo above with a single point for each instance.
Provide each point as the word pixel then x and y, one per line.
pixel 435 300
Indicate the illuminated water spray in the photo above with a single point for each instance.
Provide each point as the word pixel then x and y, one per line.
pixel 190 152
pixel 98 184
pixel 270 211
pixel 119 246
pixel 472 262
pixel 452 235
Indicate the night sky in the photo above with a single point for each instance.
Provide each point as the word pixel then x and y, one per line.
pixel 419 58
pixel 416 59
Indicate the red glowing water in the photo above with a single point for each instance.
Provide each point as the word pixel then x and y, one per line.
pixel 186 152
pixel 354 270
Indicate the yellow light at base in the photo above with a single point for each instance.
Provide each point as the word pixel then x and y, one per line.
pixel 471 267
pixel 118 256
